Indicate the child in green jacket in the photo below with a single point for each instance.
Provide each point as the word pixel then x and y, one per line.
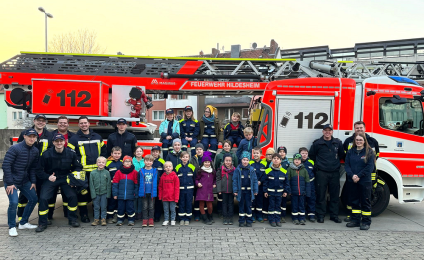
pixel 100 188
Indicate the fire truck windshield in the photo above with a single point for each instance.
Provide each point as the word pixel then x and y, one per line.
pixel 405 118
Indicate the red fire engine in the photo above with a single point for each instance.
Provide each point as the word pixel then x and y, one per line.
pixel 296 100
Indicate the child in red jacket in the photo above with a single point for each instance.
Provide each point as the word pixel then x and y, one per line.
pixel 169 192
pixel 125 190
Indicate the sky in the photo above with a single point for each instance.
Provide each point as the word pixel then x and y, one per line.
pixel 185 27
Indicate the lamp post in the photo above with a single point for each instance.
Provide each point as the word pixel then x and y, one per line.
pixel 46 15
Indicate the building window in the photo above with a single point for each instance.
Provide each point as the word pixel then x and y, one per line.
pixel 20 115
pixel 245 113
pixel 178 97
pixel 228 113
pixel 157 97
pixel 14 116
pixel 158 115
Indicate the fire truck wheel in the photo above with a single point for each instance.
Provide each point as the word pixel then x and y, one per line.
pixel 380 198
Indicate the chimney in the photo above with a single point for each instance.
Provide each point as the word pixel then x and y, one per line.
pixel 273 47
pixel 215 53
pixel 235 51
pixel 201 53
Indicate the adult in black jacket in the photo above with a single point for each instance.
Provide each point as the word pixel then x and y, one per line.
pixel 19 167
pixel 359 128
pixel 327 152
pixel 88 147
pixel 62 128
pixel 43 142
pixel 359 164
pixel 53 168
pixel 122 138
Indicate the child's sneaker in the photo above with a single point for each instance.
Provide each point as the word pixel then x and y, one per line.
pixel 283 220
pixel 115 218
pixel 197 218
pixel 103 221
pixel 302 222
pixel 230 221
pixel 165 223
pixel 296 222
pixel 261 220
pixel 144 223
pixel 248 224
pixel 312 219
pixel 265 219
pixel 242 225
pixel 110 221
pixel 119 223
pixel 172 222
pixel 253 219
pixel 151 222
pixel 13 232
pixel 273 224
pixel 225 222
pixel 187 223
pixel 278 224
pixel 182 223
pixel 95 222
pixel 130 223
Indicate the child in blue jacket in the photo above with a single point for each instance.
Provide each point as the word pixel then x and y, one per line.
pixel 282 151
pixel 259 166
pixel 247 144
pixel 245 188
pixel 148 189
pixel 275 187
pixel 300 187
pixel 168 130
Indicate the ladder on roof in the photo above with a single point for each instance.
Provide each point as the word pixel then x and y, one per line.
pixel 217 69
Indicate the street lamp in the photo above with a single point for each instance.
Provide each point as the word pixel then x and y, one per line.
pixel 46 15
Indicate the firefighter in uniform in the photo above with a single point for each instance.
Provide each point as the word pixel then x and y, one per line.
pixel 189 129
pixel 359 164
pixel 53 168
pixel 44 141
pixel 62 128
pixel 327 152
pixel 359 127
pixel 88 146
pixel 209 130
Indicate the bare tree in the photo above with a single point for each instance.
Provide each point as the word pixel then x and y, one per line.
pixel 81 41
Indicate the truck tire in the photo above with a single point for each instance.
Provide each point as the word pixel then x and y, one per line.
pixel 380 198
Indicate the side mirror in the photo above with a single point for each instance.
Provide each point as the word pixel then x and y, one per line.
pixel 398 100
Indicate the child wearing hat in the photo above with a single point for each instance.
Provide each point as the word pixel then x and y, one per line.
pixel 189 129
pixel 275 187
pixel 169 129
pixel 158 164
pixel 282 151
pixel 174 155
pixel 196 160
pixel 300 188
pixel 125 190
pixel 224 183
pixel 206 182
pixel 245 188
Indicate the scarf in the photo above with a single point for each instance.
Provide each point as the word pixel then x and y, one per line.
pixel 225 171
pixel 126 170
pixel 210 119
pixel 274 168
pixel 294 167
pixel 208 169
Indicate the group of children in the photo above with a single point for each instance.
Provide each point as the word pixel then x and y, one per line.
pixel 142 188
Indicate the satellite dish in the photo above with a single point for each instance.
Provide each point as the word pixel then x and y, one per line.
pixel 254 45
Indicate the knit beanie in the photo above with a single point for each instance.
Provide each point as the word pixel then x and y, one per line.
pixel 176 140
pixel 200 145
pixel 207 157
pixel 297 156
pixel 282 148
pixel 127 157
pixel 245 155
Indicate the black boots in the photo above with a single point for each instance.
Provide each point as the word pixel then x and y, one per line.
pixel 206 220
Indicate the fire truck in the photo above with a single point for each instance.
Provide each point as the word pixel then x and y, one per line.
pixel 292 101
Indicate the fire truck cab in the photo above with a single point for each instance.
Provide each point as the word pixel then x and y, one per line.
pixel 293 113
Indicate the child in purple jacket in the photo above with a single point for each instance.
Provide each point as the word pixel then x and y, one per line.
pixel 206 182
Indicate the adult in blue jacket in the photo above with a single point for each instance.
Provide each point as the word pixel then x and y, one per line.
pixel 19 169
pixel 189 129
pixel 168 130
pixel 359 164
